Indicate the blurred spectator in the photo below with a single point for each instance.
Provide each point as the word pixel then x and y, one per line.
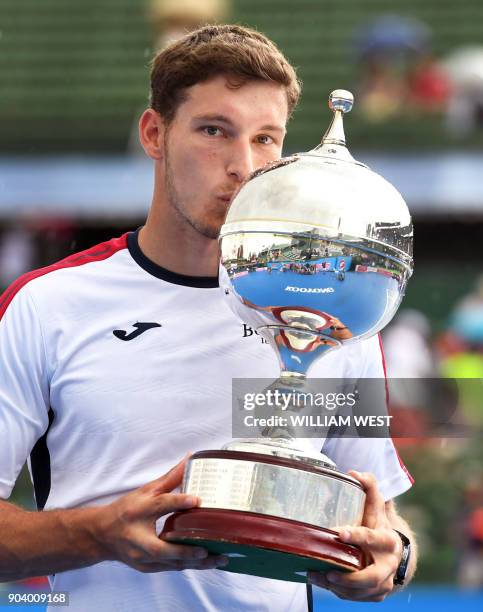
pixel 465 362
pixel 408 360
pixel 467 319
pixel 55 237
pixel 465 109
pixel 406 346
pixel 17 252
pixel 171 19
pixel 381 91
pixel 428 85
pixel 470 567
pixel 398 71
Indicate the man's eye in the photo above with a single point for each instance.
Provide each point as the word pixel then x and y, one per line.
pixel 264 139
pixel 212 130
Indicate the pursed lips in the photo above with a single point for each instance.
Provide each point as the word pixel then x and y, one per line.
pixel 226 197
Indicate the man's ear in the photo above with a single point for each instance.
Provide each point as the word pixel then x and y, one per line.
pixel 151 133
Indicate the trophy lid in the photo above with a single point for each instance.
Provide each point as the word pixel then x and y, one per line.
pixel 325 192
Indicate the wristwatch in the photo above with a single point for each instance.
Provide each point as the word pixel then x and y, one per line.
pixel 402 569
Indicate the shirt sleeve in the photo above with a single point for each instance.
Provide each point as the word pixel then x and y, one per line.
pixel 375 455
pixel 24 388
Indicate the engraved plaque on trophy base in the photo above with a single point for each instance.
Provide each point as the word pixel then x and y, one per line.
pixel 272 516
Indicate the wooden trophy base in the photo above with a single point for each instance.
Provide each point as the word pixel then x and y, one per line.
pixel 262 545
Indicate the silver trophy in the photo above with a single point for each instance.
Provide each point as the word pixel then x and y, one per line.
pixel 316 251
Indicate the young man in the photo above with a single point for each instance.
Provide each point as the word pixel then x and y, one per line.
pixel 118 361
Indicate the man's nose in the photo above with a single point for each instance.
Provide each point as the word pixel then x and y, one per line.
pixel 240 164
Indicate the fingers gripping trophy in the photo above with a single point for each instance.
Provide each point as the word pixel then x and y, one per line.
pixel 316 252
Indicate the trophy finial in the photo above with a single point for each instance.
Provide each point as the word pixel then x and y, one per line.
pixel 341 99
pixel 341 102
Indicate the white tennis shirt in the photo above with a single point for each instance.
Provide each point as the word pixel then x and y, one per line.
pixel 100 415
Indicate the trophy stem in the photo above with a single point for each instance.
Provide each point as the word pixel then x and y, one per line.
pixel 292 379
pixel 288 387
pixel 297 348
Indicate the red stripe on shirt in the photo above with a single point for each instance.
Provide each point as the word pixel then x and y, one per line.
pixel 404 468
pixel 101 251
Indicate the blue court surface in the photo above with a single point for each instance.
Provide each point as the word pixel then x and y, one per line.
pixel 413 599
pixel 437 598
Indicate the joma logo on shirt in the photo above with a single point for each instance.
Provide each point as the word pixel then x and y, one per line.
pixel 140 329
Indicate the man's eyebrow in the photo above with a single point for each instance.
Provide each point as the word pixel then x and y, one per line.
pixel 228 121
pixel 273 128
pixel 213 117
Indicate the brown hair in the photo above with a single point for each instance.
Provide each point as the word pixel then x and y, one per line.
pixel 239 52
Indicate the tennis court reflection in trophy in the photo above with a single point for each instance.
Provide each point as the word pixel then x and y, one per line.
pixel 316 252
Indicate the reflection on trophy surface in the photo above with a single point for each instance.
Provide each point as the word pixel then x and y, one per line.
pixel 316 251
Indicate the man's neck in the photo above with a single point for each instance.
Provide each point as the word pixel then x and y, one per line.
pixel 178 248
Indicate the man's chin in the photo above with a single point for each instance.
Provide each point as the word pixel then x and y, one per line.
pixel 212 233
pixel 211 230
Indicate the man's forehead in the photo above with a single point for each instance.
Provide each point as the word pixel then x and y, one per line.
pixel 224 97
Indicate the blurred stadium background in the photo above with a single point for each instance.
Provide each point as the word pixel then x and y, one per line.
pixel 74 79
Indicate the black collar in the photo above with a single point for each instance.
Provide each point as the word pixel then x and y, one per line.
pixel 202 282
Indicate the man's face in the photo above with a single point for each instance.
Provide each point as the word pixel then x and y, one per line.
pixel 219 135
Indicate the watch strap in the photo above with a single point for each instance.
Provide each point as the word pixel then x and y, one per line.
pixel 402 569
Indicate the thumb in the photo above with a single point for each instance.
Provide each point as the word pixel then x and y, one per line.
pixel 172 479
pixel 173 502
pixel 374 510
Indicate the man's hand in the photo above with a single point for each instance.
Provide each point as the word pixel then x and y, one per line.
pixel 127 528
pixel 381 545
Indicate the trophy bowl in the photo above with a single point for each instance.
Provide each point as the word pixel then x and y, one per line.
pixel 316 252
